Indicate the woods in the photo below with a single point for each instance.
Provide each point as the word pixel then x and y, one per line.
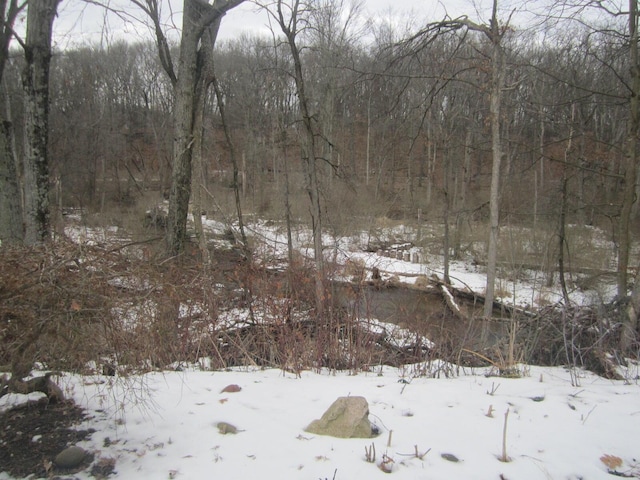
pixel 340 199
pixel 341 123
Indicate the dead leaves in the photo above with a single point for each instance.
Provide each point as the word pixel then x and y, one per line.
pixel 611 461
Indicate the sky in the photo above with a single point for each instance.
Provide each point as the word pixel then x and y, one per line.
pixel 245 18
pixel 79 22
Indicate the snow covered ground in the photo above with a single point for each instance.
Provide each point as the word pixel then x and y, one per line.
pixel 164 425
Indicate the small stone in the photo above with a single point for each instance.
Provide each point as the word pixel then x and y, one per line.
pixel 70 457
pixel 450 457
pixel 231 389
pixel 226 428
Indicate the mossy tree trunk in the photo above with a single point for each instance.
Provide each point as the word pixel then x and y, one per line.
pixel 35 80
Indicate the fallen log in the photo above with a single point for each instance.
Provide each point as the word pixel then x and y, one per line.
pixel 42 384
pixel 451 302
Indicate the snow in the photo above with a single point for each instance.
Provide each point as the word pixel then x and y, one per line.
pixel 163 425
pixel 521 287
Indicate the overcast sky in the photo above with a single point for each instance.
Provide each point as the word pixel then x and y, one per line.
pixel 244 18
pixel 79 22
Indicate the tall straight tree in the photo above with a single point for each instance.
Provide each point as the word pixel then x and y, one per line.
pixel 10 207
pixel 495 34
pixel 290 18
pixel 630 320
pixel 197 16
pixel 35 80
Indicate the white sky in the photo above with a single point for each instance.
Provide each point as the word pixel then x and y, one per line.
pixel 245 18
pixel 79 22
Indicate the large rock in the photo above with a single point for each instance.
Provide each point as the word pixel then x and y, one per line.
pixel 347 417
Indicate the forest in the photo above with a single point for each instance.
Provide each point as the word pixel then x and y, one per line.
pixel 342 202
pixel 335 124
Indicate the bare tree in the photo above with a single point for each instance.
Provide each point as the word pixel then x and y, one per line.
pixel 495 32
pixel 10 207
pixel 630 320
pixel 290 17
pixel 197 16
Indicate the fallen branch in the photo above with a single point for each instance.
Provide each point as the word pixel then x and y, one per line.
pixel 451 302
pixel 42 384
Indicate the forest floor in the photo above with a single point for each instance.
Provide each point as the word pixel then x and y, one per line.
pixel 35 432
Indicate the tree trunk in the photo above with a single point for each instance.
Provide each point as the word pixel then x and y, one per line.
pixel 630 321
pixel 497 79
pixel 183 124
pixel 205 77
pixel 196 17
pixel 564 206
pixel 447 167
pixel 461 207
pixel 308 141
pixel 562 240
pixel 628 197
pixel 35 81
pixel 10 199
pixel 630 174
pixel 199 186
pixel 10 208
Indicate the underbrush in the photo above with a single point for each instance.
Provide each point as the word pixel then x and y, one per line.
pixel 96 309
pixel 92 309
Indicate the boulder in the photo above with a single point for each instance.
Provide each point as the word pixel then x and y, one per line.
pixel 347 417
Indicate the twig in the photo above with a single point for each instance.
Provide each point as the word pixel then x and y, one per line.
pixel 504 457
pixel 370 453
pixel 588 414
pixel 494 389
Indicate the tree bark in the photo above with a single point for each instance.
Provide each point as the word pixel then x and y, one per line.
pixel 10 204
pixel 630 168
pixel 183 125
pixel 629 321
pixel 35 81
pixel 10 208
pixel 497 80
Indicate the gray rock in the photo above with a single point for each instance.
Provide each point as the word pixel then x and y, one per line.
pixel 450 457
pixel 347 417
pixel 70 457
